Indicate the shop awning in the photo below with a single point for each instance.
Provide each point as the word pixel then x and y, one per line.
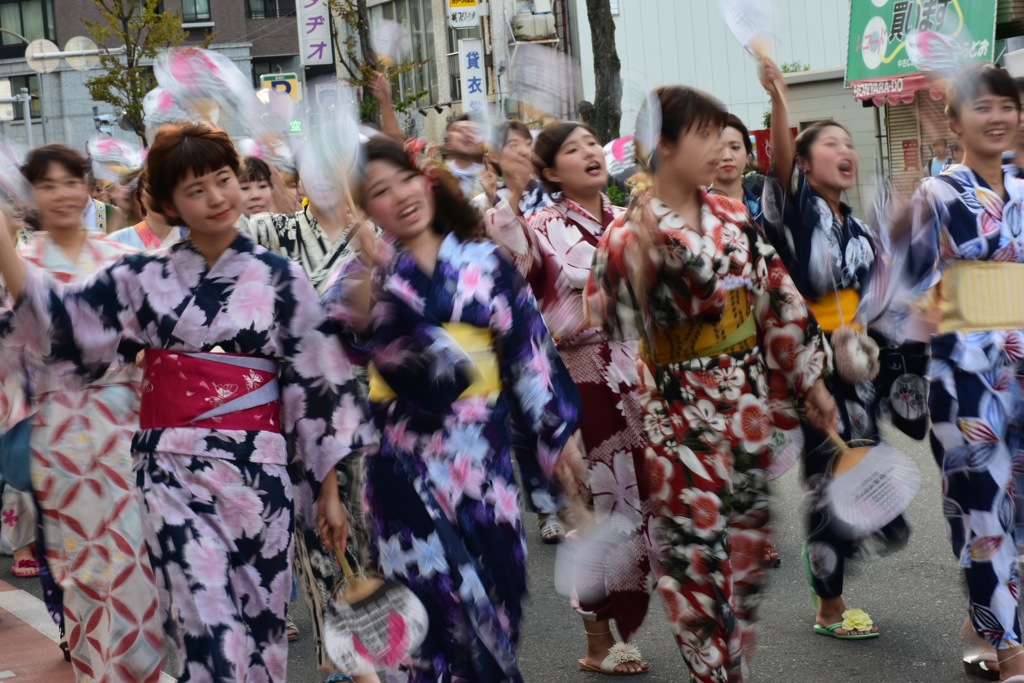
pixel 877 66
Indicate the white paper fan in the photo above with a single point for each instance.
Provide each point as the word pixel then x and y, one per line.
pixel 542 78
pixel 752 23
pixel 870 487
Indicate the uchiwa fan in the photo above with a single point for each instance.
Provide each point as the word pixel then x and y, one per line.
pixel 372 624
pixel 870 486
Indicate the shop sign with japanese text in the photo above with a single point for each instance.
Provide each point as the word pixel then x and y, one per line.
pixel 314 21
pixel 463 13
pixel 879 28
pixel 473 73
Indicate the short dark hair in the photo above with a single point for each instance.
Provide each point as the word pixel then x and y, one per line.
pixel 684 108
pixel 40 159
pixel 195 147
pixel 734 121
pixel 452 212
pixel 975 81
pixel 547 144
pixel 254 170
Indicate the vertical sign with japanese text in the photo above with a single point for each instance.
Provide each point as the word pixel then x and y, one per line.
pixel 473 73
pixel 463 13
pixel 314 20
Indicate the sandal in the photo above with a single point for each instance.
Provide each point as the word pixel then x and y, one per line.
pixel 771 556
pixel 551 530
pixel 25 569
pixel 618 654
pixel 980 666
pixel 853 619
pixel 291 630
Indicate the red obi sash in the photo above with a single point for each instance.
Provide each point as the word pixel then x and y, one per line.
pixel 209 391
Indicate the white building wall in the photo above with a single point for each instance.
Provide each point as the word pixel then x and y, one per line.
pixel 687 42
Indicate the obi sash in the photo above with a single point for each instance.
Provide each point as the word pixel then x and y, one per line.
pixel 836 309
pixel 209 391
pixel 734 333
pixel 977 296
pixel 478 343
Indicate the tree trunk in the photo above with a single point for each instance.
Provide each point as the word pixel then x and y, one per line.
pixel 607 68
pixel 363 29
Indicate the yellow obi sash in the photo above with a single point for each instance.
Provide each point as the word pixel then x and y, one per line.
pixel 478 343
pixel 976 296
pixel 828 313
pixel 734 333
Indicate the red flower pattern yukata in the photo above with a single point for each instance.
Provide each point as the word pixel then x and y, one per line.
pixel 555 253
pixel 708 421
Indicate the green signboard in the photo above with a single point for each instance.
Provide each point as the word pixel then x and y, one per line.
pixel 878 31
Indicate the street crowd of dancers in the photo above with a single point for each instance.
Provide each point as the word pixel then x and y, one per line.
pixel 242 386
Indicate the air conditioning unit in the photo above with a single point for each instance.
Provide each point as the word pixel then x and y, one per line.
pixel 543 6
pixel 533 26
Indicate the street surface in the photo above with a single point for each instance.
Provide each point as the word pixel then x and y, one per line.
pixel 916 597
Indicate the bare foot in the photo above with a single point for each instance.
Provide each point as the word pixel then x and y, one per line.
pixel 599 642
pixel 830 611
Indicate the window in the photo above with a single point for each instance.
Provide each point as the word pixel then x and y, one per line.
pixel 32 83
pixel 29 18
pixel 193 11
pixel 269 9
pixel 416 17
pixel 614 6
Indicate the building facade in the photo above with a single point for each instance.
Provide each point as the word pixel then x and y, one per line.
pixel 261 36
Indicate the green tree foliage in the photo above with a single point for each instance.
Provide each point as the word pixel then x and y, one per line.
pixel 142 29
pixel 354 52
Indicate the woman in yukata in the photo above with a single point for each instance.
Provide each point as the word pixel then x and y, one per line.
pixel 554 252
pixel 456 343
pixel 239 361
pixel 968 247
pixel 835 257
pixel 516 143
pixel 96 573
pixel 725 340
pixel 153 231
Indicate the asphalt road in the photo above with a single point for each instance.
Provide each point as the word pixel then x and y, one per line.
pixel 916 597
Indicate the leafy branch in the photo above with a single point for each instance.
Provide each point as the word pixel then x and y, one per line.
pixel 143 29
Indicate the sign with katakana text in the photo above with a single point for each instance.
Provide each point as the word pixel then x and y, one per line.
pixel 878 63
pixel 463 13
pixel 314 22
pixel 473 74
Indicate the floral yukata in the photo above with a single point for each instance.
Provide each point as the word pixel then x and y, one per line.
pixel 975 393
pixel 709 419
pixel 299 237
pixel 219 502
pixel 142 238
pixel 441 493
pixel 97 577
pixel 555 253
pixel 834 260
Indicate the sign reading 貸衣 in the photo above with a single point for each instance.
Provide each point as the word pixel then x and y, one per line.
pixel 314 22
pixel 473 73
pixel 878 65
pixel 463 13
